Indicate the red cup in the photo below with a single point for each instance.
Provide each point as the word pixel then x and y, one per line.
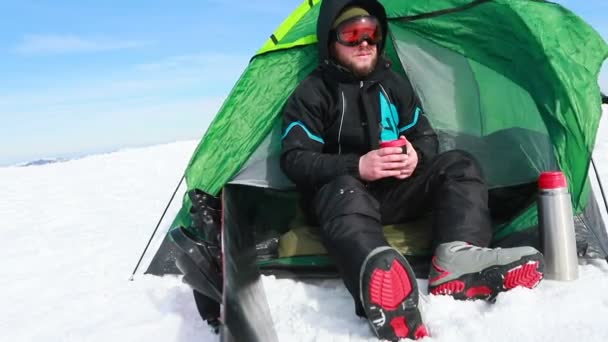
pixel 395 143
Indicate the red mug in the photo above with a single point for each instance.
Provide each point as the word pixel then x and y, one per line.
pixel 395 143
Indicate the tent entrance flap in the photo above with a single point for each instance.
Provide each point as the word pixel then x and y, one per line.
pixel 477 109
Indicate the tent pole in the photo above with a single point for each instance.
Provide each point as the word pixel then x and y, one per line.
pixel 157 225
pixel 599 181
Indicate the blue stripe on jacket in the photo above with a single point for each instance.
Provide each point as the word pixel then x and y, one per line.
pixel 414 121
pixel 299 123
pixel 390 120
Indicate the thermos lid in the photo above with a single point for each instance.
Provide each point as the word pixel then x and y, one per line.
pixel 552 180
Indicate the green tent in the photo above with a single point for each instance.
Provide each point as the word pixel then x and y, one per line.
pixel 514 82
pixel 479 66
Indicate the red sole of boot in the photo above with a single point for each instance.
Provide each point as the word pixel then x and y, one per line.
pixel 490 282
pixel 526 275
pixel 388 290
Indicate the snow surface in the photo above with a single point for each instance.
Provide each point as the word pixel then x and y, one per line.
pixel 72 233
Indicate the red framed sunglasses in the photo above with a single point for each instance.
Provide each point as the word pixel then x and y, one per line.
pixel 354 31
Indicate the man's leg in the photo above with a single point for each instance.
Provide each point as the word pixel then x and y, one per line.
pixel 453 188
pixel 350 228
pixel 378 277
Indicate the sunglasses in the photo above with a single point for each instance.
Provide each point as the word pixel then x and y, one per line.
pixel 358 29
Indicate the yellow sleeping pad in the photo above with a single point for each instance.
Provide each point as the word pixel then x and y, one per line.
pixel 411 238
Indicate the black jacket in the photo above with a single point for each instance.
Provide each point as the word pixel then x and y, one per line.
pixel 333 118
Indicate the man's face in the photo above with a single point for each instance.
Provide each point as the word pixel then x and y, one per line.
pixel 360 59
pixel 356 44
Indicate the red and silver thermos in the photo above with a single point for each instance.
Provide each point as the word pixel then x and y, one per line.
pixel 556 224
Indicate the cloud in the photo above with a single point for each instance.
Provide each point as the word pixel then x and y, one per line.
pixel 270 7
pixel 211 61
pixel 213 68
pixel 108 128
pixel 62 44
pixel 90 92
pixel 211 74
pixel 201 106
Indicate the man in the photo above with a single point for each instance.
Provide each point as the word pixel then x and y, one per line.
pixel 333 125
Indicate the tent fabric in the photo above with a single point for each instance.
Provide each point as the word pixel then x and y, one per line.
pixel 525 80
pixel 548 51
pixel 470 105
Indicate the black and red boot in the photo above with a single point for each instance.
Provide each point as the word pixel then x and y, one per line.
pixel 464 271
pixel 389 294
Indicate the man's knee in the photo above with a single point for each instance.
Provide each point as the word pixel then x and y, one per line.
pixel 340 183
pixel 345 195
pixel 461 164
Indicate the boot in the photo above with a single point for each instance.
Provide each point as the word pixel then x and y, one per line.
pixel 205 212
pixel 200 260
pixel 464 271
pixel 389 294
pixel 200 268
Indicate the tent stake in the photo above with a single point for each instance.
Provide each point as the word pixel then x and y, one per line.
pixel 157 225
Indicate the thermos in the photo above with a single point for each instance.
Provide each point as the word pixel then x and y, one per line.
pixel 556 224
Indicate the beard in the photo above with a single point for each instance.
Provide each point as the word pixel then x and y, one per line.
pixel 360 69
pixel 363 70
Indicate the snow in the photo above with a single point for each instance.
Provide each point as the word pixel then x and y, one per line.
pixel 72 233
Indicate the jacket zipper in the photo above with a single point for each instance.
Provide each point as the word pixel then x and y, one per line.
pixel 341 121
pixel 385 93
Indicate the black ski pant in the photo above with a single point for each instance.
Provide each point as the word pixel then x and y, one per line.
pixel 351 213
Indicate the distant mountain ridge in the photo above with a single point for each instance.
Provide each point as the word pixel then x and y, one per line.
pixel 75 156
pixel 44 162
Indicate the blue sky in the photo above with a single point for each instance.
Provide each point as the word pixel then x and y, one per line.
pixel 82 77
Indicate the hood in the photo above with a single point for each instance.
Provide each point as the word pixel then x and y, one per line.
pixel 330 10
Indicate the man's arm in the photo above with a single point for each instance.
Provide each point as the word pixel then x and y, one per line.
pixel 302 157
pixel 414 124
